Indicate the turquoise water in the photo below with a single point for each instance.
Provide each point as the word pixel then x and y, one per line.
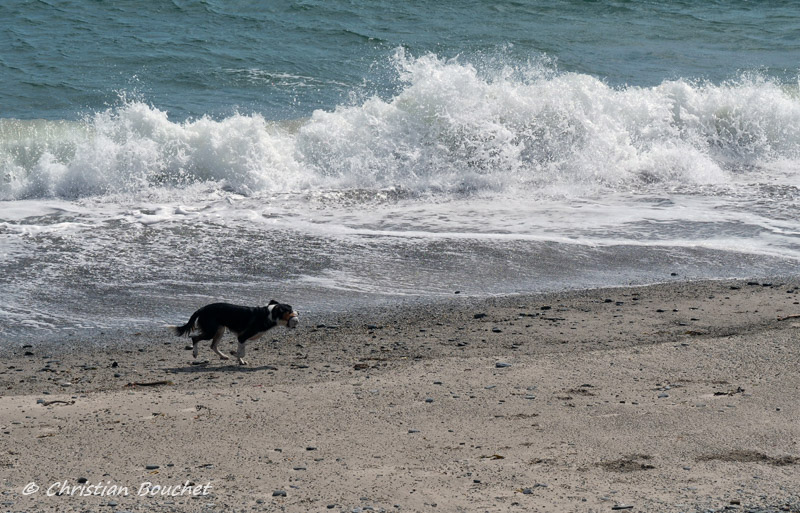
pixel 155 156
pixel 283 60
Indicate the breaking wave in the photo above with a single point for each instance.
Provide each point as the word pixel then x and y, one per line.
pixel 452 128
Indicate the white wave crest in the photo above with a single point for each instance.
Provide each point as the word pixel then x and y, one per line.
pixel 451 129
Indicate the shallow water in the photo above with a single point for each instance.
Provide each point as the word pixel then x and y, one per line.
pixel 332 155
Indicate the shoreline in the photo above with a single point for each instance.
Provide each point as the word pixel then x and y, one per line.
pixel 679 396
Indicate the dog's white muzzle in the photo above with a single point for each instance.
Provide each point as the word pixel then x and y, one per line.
pixel 293 321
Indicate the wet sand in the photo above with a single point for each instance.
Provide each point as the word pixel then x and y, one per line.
pixel 676 397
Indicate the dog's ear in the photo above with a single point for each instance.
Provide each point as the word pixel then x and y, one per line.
pixel 272 302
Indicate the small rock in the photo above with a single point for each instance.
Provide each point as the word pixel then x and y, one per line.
pixel 663 396
pixel 429 400
pixel 502 365
pixel 279 493
pixel 621 506
pixel 479 316
pixel 151 467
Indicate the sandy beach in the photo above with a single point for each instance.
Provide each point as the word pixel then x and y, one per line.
pixel 667 398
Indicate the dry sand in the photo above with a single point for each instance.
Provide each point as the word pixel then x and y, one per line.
pixel 676 397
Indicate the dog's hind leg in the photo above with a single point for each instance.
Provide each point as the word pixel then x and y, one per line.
pixel 240 354
pixel 196 339
pixel 215 341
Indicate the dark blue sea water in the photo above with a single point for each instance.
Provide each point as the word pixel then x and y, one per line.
pixel 158 155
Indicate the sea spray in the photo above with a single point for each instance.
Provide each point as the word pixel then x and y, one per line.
pixel 452 129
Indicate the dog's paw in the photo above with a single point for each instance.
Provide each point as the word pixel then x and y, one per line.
pixel 242 362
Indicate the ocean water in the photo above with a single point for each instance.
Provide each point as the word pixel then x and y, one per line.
pixel 158 156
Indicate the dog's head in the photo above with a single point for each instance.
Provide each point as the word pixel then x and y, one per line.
pixel 282 314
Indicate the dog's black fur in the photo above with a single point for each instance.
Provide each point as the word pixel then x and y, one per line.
pixel 246 322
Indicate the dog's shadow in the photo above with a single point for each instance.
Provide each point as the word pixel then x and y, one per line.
pixel 207 366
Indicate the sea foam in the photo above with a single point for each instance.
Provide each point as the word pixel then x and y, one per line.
pixel 452 128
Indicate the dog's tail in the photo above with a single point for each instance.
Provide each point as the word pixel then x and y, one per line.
pixel 188 327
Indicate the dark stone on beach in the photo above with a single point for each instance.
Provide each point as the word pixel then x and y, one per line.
pixel 502 365
pixel 496 330
pixel 621 506
pixel 151 467
pixel 546 307
pixel 82 480
pixel 413 431
pixel 479 316
pixel 429 400
pixel 279 493
pixel 114 365
pixel 663 396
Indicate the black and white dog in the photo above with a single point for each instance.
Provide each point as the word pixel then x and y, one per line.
pixel 248 323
